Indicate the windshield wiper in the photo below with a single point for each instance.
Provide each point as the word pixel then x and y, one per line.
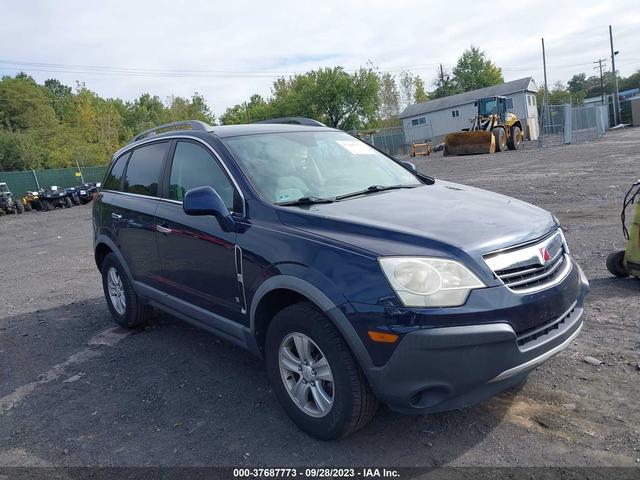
pixel 374 189
pixel 306 201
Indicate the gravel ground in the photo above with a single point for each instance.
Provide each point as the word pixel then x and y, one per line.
pixel 76 391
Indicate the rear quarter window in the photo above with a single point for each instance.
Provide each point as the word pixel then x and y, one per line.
pixel 144 168
pixel 114 177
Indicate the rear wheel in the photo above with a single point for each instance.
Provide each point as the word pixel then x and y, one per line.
pixel 47 206
pixel 501 139
pixel 123 302
pixel 315 376
pixel 615 264
pixel 28 207
pixel 515 142
pixel 19 207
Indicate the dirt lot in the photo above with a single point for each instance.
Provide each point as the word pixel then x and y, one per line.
pixel 73 391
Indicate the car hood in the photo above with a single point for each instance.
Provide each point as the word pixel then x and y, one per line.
pixel 433 217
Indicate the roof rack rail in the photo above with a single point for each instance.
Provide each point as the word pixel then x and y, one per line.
pixel 194 124
pixel 309 122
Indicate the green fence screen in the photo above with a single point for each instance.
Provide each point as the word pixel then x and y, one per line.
pixel 30 180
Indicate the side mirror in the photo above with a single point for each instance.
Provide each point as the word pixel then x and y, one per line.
pixel 410 165
pixel 206 201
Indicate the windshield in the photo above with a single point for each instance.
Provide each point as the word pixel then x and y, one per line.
pixel 488 106
pixel 285 167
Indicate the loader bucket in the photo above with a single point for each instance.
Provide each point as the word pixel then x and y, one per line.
pixel 469 143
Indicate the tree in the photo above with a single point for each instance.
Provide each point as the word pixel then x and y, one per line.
pixel 389 97
pixel 421 94
pixel 256 109
pixel 444 84
pixel 330 95
pixel 407 89
pixel 24 105
pixel 474 70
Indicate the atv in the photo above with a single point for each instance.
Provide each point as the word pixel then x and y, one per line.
pixel 31 201
pixel 74 194
pixel 53 198
pixel 7 203
pixel 86 191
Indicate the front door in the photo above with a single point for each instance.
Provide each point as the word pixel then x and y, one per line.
pixel 198 257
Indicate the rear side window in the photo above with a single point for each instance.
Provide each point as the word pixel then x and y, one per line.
pixel 143 170
pixel 112 182
pixel 193 166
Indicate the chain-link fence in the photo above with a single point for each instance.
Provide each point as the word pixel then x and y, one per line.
pixel 30 180
pixel 565 124
pixel 391 140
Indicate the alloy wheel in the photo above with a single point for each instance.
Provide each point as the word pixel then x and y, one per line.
pixel 306 374
pixel 116 291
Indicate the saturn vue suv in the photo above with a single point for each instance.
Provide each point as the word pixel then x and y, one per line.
pixel 357 279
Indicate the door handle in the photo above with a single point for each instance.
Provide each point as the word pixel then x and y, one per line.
pixel 116 216
pixel 162 229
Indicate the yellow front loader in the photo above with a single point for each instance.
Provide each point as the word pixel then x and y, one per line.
pixel 492 130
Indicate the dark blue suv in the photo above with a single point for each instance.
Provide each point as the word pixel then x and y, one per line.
pixel 356 278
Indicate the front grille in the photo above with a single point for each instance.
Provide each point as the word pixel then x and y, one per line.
pixel 533 266
pixel 523 278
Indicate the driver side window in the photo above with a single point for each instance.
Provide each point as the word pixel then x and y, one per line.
pixel 193 166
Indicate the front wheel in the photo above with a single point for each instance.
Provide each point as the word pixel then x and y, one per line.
pixel 19 207
pixel 314 374
pixel 501 139
pixel 67 202
pixel 123 302
pixel 615 264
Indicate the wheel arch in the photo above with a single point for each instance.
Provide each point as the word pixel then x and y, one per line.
pixel 283 290
pixel 103 247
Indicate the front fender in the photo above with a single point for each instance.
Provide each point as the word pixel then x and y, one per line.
pixel 336 309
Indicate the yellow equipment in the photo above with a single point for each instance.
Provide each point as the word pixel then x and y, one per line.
pixel 493 129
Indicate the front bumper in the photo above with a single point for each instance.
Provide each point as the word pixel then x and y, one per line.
pixel 446 368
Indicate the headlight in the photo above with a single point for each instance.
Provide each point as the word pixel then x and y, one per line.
pixel 429 282
pixel 83 192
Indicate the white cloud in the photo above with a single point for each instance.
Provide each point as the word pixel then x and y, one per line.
pixel 294 36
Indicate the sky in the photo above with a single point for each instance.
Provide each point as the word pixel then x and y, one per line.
pixel 229 50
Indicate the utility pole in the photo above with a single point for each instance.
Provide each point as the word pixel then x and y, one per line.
pixel 545 98
pixel 617 117
pixel 601 61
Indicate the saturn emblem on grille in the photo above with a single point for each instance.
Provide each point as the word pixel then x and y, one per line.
pixel 545 256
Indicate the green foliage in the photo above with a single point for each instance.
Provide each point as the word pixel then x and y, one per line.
pixel 421 94
pixel 389 97
pixel 474 70
pixel 330 95
pixel 445 85
pixel 53 125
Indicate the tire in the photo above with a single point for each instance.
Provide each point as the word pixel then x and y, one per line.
pixel 501 139
pixel 46 206
pixel 75 200
pixel 515 142
pixel 28 207
pixel 615 264
pixel 129 312
pixel 67 202
pixel 353 404
pixel 19 207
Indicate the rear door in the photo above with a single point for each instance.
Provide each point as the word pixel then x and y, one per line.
pixel 131 210
pixel 198 257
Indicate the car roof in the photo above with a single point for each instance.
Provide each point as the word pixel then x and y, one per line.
pixel 228 131
pixel 225 131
